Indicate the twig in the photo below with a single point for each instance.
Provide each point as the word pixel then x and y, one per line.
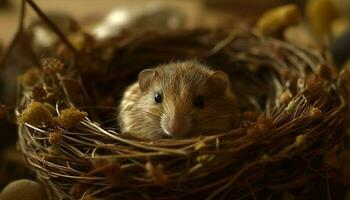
pixel 53 27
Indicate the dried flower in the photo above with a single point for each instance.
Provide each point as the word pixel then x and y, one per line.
pixel 38 93
pixel 52 66
pixel 314 112
pixel 70 117
pixel 55 137
pixel 285 97
pixel 36 114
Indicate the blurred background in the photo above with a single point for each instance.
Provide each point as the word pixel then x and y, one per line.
pixel 90 11
pixel 323 23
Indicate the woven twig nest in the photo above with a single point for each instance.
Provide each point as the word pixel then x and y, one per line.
pixel 291 102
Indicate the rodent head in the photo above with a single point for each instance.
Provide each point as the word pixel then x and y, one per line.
pixel 187 98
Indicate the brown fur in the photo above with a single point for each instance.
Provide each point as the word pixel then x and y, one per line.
pixel 179 82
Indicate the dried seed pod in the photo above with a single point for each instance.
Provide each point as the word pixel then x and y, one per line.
pixel 36 114
pixel 70 117
pixel 55 137
pixel 274 21
pixel 52 66
pixel 38 93
pixel 315 112
pixel 285 97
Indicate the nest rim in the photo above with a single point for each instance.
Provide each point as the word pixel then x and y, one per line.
pixel 154 172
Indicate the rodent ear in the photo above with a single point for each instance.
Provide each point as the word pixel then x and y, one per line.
pixel 218 82
pixel 145 77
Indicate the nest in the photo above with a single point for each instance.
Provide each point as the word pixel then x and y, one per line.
pixel 291 101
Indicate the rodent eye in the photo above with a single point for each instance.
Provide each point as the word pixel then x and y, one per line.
pixel 158 98
pixel 198 101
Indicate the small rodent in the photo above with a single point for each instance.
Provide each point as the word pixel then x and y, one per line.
pixel 177 100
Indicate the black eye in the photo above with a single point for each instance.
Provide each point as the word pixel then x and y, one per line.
pixel 158 98
pixel 198 102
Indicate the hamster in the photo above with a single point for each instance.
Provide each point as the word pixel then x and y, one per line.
pixel 177 100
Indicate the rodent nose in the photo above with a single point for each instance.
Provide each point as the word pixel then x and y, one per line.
pixel 176 127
